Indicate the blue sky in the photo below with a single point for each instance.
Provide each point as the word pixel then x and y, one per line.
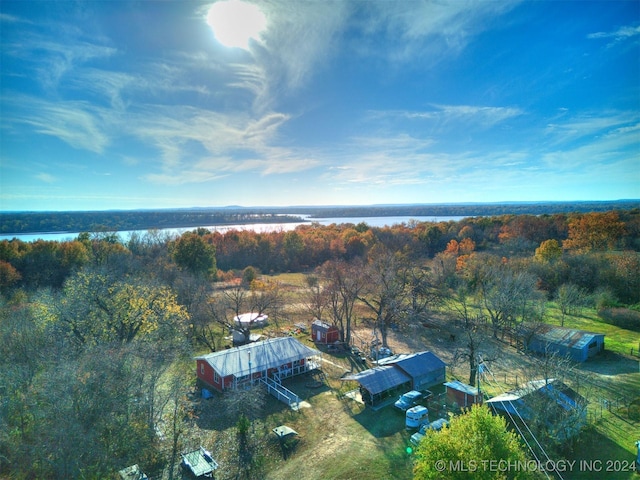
pixel 124 105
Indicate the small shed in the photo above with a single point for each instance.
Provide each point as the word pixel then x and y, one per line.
pixel 462 394
pixel 322 332
pixel 579 345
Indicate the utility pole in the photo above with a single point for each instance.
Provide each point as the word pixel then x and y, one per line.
pixel 478 372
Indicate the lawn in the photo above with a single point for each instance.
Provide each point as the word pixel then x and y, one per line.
pixel 340 438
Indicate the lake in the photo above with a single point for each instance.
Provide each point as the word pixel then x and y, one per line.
pixel 256 227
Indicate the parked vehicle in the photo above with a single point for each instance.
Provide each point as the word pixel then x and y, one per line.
pixel 411 398
pixel 436 425
pixel 416 416
pixel 408 400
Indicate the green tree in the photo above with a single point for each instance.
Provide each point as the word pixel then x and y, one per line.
pixel 473 439
pixel 192 252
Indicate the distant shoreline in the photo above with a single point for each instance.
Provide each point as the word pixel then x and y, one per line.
pixel 17 223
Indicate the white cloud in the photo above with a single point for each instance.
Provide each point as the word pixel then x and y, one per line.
pixel 425 29
pixel 620 34
pixel 46 177
pixel 479 116
pixel 76 123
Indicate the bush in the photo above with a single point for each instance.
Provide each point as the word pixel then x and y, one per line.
pixel 621 317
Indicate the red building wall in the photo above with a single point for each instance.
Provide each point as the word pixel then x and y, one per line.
pixel 461 398
pixel 206 374
pixel 329 335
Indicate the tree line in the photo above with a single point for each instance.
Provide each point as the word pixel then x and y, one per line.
pixel 585 244
pixel 126 220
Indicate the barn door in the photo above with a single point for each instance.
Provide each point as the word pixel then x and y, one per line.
pixel 318 335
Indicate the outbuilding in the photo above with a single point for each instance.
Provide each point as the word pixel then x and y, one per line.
pixel 563 411
pixel 380 383
pixel 397 374
pixel 322 332
pixel 579 345
pixel 275 358
pixel 424 368
pixel 461 394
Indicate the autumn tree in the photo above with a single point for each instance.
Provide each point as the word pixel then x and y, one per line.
pixel 96 308
pixel 424 293
pixel 594 231
pixel 315 297
pixel 9 276
pixel 474 438
pixel 548 251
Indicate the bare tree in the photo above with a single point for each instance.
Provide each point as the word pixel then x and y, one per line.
pixel 569 299
pixel 343 284
pixel 262 298
pixel 423 292
pixel 385 291
pixel 316 301
pixel 510 297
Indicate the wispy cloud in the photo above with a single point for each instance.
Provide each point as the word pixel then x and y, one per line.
pixel 76 123
pixel 622 33
pixel 480 116
pixel 46 177
pixel 591 127
pixel 425 29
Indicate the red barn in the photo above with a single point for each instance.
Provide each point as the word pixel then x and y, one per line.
pixel 322 332
pixel 462 394
pixel 276 357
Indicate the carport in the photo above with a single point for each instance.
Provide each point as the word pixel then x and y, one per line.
pixel 380 383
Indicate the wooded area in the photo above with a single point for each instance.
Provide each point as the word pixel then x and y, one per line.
pixel 127 220
pixel 97 334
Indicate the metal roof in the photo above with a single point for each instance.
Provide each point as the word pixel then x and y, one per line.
pixel 561 393
pixel 567 337
pixel 379 379
pixel 200 462
pixel 462 387
pixel 319 324
pixel 271 353
pixel 415 364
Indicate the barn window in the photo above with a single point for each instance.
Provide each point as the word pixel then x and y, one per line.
pixel 202 369
pixel 216 377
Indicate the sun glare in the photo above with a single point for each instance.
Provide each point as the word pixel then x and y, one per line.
pixel 235 23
